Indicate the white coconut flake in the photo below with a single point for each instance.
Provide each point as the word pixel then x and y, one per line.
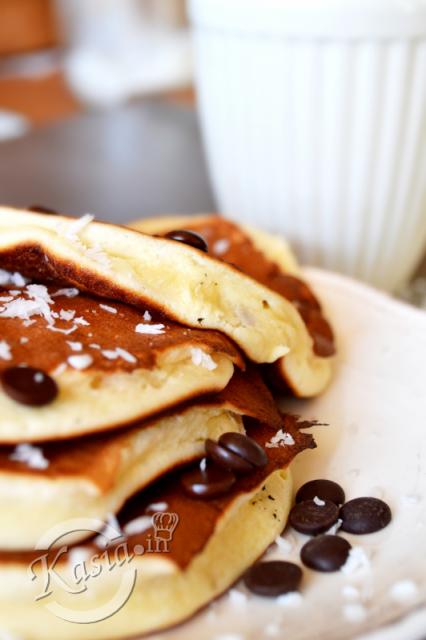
pixel 66 315
pixel 93 345
pixel 350 592
pixel 335 527
pixel 68 292
pixel 280 439
pixel 147 316
pixel 81 321
pixel 357 562
pixel 110 532
pixel 403 591
pixel 157 506
pixel 106 307
pixel 75 346
pixel 16 279
pixel 128 357
pixel 319 502
pixel 32 456
pixel 72 230
pixel 66 332
pixel 151 329
pixel 283 544
pixel 202 359
pixel 109 354
pixel 138 525
pixel 237 597
pixel 292 599
pixel 23 340
pixel 5 351
pixel 354 612
pixel 60 369
pixel 6 298
pixel 221 246
pixel 203 464
pixel 80 362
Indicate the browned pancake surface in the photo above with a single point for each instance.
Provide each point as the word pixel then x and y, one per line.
pixel 197 518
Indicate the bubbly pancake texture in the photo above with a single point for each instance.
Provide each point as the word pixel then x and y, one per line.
pixel 200 562
pixel 112 364
pixel 93 476
pixel 269 260
pixel 184 283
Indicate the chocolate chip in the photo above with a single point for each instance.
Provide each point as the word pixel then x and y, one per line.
pixel 210 482
pixel 245 447
pixel 365 515
pixel 323 489
pixel 188 237
pixel 37 208
pixel 325 553
pixel 273 578
pixel 29 386
pixel 311 518
pixel 237 452
pixel 225 458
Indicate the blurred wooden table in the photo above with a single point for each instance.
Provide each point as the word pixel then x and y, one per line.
pixel 140 160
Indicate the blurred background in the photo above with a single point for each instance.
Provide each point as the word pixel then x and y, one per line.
pixel 97 104
pixel 98 114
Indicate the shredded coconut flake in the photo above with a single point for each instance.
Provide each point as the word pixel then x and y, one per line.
pixel 280 439
pixel 80 362
pixel 128 357
pixel 5 352
pixel 152 329
pixel 157 506
pixel 403 591
pixel 138 525
pixel 66 315
pixel 202 359
pixel 106 307
pixel 147 316
pixel 32 456
pixel 237 597
pixel 203 464
pixel 81 321
pixel 354 612
pixel 221 246
pixel 23 340
pixel 69 292
pixel 319 502
pixel 335 527
pixel 8 278
pixel 357 561
pixel 75 346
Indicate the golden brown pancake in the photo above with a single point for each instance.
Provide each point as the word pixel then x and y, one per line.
pixel 136 365
pixel 184 283
pixel 196 551
pixel 269 261
pixel 93 476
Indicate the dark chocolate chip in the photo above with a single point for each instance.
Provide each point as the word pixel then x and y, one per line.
pixel 273 578
pixel 210 482
pixel 365 515
pixel 38 208
pixel 29 386
pixel 188 237
pixel 325 553
pixel 311 518
pixel 323 489
pixel 225 458
pixel 244 447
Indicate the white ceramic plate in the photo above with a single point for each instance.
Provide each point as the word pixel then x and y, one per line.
pixel 375 444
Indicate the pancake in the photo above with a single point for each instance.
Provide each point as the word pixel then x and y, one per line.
pixel 269 260
pixel 132 365
pixel 93 476
pixel 202 547
pixel 184 283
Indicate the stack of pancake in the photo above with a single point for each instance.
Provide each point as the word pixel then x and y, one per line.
pixel 143 460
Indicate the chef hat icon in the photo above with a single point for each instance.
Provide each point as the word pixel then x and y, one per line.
pixel 164 524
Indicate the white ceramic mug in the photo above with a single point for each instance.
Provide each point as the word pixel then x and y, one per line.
pixel 314 121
